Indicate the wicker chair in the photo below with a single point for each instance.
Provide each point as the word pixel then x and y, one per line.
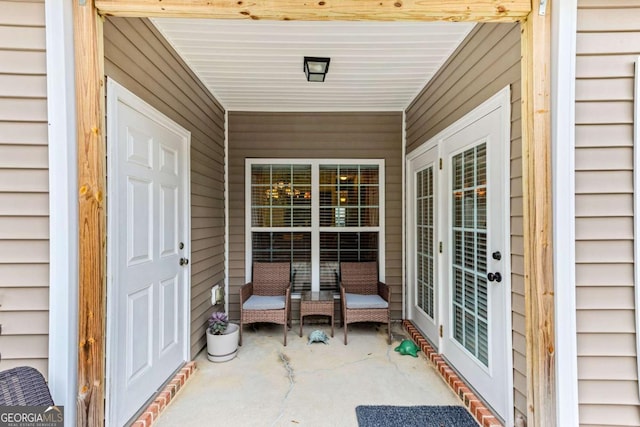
pixel 24 386
pixel 268 297
pixel 363 297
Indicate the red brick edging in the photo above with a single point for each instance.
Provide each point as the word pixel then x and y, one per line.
pixel 151 413
pixel 480 412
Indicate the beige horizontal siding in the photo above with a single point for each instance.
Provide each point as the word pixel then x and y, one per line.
pixel 487 61
pixel 24 187
pixel 16 275
pixel 22 62
pixel 23 37
pixel 138 57
pixel 616 344
pixel 310 136
pixel 23 133
pixel 608 42
pixel 626 415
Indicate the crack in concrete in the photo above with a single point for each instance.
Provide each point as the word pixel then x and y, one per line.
pixel 286 362
pixel 311 371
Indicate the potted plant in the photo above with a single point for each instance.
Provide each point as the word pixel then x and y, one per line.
pixel 222 338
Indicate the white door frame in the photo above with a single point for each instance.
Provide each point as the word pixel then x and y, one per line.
pixel 115 93
pixel 502 100
pixel 63 208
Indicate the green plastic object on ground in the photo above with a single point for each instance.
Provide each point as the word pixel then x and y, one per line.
pixel 407 347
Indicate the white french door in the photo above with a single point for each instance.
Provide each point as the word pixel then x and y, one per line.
pixel 148 250
pixel 423 243
pixel 459 272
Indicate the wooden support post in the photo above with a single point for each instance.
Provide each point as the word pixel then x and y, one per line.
pixel 89 69
pixel 538 231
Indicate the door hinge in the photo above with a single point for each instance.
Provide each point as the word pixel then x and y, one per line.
pixel 440 247
pixel 441 334
pixel 543 8
pixel 440 163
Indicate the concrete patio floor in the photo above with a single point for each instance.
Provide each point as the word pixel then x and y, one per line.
pixel 268 384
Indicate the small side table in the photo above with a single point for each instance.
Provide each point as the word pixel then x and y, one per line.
pixel 316 304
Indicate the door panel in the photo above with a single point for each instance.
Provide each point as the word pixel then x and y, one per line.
pixel 475 335
pixel 423 238
pixel 147 286
pixel 169 297
pixel 168 220
pixel 139 220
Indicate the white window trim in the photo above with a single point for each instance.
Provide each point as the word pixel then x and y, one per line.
pixel 63 207
pixel 405 240
pixel 315 208
pixel 226 211
pixel 563 79
pixel 636 203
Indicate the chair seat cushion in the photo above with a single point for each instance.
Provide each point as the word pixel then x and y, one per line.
pixel 263 302
pixel 365 301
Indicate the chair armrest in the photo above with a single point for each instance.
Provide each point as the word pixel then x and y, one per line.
pixel 287 297
pixel 246 291
pixel 384 291
pixel 343 291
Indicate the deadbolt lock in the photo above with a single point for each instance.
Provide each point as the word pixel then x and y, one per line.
pixel 494 277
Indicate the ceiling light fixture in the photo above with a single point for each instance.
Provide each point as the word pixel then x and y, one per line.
pixel 316 68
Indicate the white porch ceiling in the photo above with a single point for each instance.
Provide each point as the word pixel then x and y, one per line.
pixel 257 65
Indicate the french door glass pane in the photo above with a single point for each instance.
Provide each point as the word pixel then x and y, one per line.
pixel 345 246
pixel 293 247
pixel 469 252
pixel 425 262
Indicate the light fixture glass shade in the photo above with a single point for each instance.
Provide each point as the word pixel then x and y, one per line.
pixel 315 69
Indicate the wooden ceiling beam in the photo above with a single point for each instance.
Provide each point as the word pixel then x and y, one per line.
pixel 323 10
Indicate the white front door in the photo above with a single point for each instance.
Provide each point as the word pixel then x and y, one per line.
pixel 475 269
pixel 458 248
pixel 148 249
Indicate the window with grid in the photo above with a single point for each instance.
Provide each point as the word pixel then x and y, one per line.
pixel 281 209
pixel 469 266
pixel 315 214
pixel 425 250
pixel 349 199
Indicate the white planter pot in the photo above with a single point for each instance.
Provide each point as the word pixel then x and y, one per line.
pixel 221 348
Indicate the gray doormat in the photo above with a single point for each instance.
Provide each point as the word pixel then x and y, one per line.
pixel 414 416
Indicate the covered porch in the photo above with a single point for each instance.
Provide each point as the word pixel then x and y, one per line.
pixel 91 282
